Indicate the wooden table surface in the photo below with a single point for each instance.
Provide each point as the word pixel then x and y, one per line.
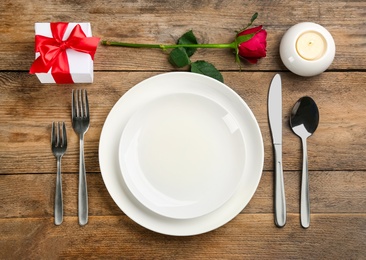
pixel 337 151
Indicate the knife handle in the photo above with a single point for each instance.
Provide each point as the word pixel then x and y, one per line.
pixel 280 200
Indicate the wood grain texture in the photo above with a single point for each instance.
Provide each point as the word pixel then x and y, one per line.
pixel 336 151
pixel 32 195
pixel 253 236
pixel 28 108
pixel 165 21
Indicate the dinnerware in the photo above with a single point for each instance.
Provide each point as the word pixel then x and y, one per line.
pixel 80 123
pixel 304 121
pixel 149 90
pixel 59 146
pixel 182 155
pixel 275 122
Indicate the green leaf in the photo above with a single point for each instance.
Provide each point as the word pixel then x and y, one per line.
pixel 188 38
pixel 205 68
pixel 178 57
pixel 255 15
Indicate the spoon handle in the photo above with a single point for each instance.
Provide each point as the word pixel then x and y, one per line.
pixel 280 201
pixel 305 201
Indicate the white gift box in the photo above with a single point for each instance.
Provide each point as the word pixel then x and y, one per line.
pixel 80 64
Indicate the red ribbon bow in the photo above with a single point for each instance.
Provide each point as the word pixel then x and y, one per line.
pixel 53 51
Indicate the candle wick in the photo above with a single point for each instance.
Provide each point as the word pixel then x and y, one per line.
pixel 311 42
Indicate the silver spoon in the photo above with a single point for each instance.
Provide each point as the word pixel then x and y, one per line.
pixel 304 121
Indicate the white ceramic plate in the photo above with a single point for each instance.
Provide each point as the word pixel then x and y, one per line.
pixel 177 83
pixel 182 155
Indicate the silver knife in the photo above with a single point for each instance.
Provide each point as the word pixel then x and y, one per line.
pixel 275 122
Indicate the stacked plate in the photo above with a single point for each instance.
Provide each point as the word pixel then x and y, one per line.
pixel 181 153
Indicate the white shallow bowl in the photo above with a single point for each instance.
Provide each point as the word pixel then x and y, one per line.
pixel 182 155
pixel 150 90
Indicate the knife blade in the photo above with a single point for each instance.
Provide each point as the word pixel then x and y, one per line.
pixel 275 122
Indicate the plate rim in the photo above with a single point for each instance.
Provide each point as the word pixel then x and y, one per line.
pixel 139 213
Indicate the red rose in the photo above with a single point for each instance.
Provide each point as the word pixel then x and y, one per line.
pixel 255 48
pixel 249 44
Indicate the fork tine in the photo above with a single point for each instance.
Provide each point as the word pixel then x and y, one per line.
pixel 81 103
pixel 76 109
pixel 58 134
pixel 53 134
pixel 64 136
pixel 86 105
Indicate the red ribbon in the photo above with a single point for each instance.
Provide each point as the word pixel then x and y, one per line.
pixel 53 51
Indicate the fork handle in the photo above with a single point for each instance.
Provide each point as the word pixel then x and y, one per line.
pixel 83 193
pixel 58 195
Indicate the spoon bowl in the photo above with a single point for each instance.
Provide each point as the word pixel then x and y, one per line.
pixel 304 121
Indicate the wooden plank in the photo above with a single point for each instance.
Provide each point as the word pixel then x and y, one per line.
pixel 152 22
pixel 27 109
pixel 340 236
pixel 32 195
pixel 336 151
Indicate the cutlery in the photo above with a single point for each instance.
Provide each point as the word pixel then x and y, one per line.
pixel 80 123
pixel 304 120
pixel 59 145
pixel 275 122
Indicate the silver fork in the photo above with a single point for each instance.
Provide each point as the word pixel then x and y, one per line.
pixel 59 146
pixel 80 123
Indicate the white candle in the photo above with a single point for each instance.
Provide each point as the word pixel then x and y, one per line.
pixel 311 45
pixel 307 49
